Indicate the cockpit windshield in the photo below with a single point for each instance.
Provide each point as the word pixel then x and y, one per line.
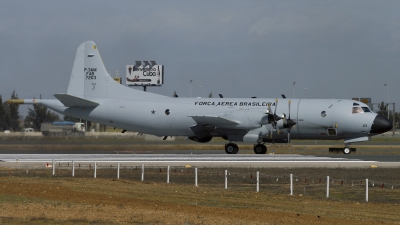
pixel 363 109
pixel 366 109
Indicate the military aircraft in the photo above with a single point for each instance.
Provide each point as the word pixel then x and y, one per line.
pixel 93 95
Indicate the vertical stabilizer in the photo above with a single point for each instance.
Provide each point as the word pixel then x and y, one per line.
pixel 91 81
pixel 89 76
pixel 75 86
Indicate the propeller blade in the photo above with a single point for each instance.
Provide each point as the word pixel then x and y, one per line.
pixel 270 133
pixel 269 108
pixel 289 122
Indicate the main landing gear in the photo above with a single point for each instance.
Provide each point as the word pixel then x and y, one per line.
pixel 231 148
pixel 260 149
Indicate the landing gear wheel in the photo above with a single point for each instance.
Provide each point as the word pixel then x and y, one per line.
pixel 346 150
pixel 231 148
pixel 260 149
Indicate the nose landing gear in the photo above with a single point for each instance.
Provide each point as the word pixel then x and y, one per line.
pixel 346 150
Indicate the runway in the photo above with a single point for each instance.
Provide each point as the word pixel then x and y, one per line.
pixel 215 160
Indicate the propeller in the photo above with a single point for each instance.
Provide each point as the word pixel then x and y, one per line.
pixel 273 118
pixel 288 123
pixel 270 119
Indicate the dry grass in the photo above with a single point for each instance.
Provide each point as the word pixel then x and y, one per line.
pixel 37 197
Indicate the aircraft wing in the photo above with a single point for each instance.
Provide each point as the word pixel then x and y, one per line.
pixel 70 101
pixel 215 120
pixel 207 125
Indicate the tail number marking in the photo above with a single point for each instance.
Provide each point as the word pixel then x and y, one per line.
pixel 90 73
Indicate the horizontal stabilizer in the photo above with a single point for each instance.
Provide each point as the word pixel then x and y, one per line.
pixel 70 101
pixel 215 120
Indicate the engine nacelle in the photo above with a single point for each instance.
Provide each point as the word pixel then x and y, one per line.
pixel 201 140
pixel 251 138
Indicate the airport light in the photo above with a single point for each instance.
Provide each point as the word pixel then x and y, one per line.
pixel 190 95
pixel 387 91
pixel 294 89
pixel 200 90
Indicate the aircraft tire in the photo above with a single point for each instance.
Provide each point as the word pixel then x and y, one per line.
pixel 346 151
pixel 231 148
pixel 260 149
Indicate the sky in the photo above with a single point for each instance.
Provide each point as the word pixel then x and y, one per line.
pixel 330 49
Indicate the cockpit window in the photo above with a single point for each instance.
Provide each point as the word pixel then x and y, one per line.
pixel 366 109
pixel 358 109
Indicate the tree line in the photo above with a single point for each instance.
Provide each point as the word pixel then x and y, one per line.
pixel 10 117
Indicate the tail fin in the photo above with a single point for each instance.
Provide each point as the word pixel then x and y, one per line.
pixel 89 76
pixel 90 79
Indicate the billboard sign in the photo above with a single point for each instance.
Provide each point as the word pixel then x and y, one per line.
pixel 365 101
pixel 144 74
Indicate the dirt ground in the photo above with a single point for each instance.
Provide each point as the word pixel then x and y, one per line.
pixel 42 199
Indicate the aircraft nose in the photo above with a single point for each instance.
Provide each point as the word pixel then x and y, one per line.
pixel 380 125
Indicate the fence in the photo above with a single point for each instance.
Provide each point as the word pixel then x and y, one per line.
pixel 309 182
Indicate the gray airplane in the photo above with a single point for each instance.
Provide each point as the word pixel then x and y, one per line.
pixel 93 95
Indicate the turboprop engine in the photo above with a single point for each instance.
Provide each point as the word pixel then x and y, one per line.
pixel 279 121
